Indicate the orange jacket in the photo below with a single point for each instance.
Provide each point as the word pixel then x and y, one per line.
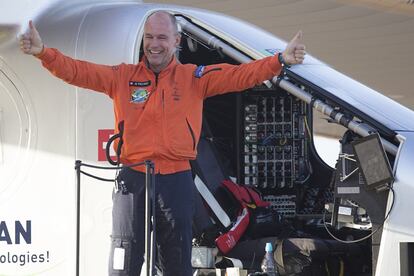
pixel 162 114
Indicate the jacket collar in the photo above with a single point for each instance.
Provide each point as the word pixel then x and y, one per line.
pixel 164 71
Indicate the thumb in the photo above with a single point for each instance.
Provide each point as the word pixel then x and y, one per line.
pixel 32 29
pixel 298 37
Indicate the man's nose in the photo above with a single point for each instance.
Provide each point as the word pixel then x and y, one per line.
pixel 154 42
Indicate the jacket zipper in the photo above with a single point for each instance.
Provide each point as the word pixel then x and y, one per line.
pixel 191 132
pixel 162 99
pixel 156 149
pixel 211 70
pixel 156 80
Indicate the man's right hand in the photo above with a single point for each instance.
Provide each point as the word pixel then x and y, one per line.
pixel 31 42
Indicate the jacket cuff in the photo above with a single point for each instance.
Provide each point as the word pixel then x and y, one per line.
pixel 276 65
pixel 46 55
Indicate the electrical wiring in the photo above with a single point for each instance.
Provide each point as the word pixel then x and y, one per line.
pixel 368 236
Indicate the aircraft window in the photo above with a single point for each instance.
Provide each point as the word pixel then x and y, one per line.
pixel 268 139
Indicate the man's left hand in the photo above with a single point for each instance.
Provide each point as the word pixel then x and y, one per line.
pixel 295 50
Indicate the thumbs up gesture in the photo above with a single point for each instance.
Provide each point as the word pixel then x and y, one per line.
pixel 295 50
pixel 31 42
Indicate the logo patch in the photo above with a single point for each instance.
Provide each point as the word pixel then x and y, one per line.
pixel 198 73
pixel 140 83
pixel 139 96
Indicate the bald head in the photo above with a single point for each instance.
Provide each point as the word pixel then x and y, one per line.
pixel 161 39
pixel 165 16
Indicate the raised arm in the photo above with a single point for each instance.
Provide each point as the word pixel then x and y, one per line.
pixel 222 78
pixel 80 73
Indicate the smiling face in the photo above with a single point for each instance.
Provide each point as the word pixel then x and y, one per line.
pixel 161 39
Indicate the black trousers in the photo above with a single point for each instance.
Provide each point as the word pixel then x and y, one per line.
pixel 174 209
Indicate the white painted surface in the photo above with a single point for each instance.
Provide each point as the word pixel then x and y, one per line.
pixel 327 148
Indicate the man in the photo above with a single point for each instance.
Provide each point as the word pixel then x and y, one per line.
pixel 160 102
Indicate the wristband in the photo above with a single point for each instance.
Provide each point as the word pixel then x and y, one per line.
pixel 41 52
pixel 282 61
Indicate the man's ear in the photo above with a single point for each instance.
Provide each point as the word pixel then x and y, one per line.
pixel 177 40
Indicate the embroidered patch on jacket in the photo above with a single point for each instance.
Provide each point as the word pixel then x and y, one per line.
pixel 198 73
pixel 139 96
pixel 140 83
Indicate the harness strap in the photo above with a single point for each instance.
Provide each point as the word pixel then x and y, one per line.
pixel 119 148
